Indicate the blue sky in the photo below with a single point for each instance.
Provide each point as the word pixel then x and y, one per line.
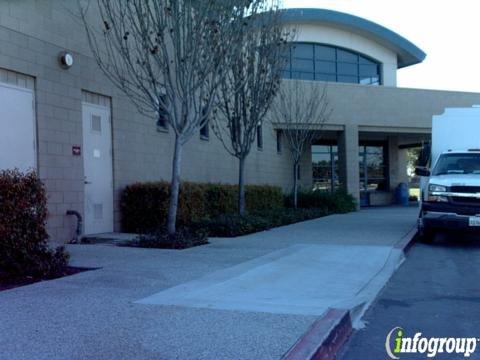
pixel 448 31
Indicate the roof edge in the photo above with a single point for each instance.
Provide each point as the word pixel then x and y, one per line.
pixel 407 52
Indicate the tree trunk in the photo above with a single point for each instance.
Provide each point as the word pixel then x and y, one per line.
pixel 174 188
pixel 295 185
pixel 241 187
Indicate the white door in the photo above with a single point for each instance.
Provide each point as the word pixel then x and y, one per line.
pixel 17 128
pixel 97 162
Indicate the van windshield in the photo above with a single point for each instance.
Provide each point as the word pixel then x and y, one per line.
pixel 457 164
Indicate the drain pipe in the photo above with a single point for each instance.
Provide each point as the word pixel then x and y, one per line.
pixel 78 231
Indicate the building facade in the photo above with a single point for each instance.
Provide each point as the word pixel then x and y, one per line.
pixel 88 142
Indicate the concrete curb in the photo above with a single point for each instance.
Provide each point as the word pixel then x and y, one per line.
pixel 327 335
pixel 324 338
pixel 406 242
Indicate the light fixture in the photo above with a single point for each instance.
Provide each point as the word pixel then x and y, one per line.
pixel 66 59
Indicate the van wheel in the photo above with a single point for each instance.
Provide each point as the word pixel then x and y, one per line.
pixel 427 236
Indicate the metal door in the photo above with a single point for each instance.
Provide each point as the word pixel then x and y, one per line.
pixel 17 128
pixel 98 169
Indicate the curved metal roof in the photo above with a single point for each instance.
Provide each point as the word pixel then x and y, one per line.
pixel 407 53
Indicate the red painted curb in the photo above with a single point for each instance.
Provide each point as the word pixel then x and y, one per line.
pixel 324 338
pixel 407 241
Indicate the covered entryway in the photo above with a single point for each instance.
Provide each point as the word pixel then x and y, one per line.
pixel 369 162
pixel 17 128
pixel 98 171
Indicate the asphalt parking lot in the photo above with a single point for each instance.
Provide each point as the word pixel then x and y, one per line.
pixel 436 292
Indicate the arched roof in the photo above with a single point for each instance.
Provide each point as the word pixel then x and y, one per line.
pixel 407 53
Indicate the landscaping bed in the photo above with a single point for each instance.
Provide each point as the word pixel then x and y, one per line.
pixel 311 205
pixel 230 225
pixel 184 238
pixel 209 210
pixel 8 282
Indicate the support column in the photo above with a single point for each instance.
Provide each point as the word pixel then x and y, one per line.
pixel 397 163
pixel 393 162
pixel 306 171
pixel 348 161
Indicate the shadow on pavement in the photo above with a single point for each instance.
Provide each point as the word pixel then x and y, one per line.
pixel 460 240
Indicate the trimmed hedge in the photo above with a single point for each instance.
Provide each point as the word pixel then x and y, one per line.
pixel 24 251
pixel 144 206
pixel 236 225
pixel 338 202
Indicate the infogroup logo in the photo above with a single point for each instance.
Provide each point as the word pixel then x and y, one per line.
pixel 397 343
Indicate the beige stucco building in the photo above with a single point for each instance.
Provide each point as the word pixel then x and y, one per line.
pixel 87 141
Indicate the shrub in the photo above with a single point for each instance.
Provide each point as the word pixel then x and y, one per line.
pixel 261 198
pixel 333 202
pixel 220 199
pixel 192 203
pixel 23 239
pixel 234 225
pixel 144 206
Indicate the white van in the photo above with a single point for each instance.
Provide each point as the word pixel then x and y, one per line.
pixel 450 189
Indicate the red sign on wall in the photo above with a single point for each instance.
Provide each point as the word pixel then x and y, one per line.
pixel 76 150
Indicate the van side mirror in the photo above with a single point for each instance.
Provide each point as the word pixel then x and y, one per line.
pixel 422 171
pixel 424 155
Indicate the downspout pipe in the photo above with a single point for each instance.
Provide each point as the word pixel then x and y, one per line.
pixel 78 230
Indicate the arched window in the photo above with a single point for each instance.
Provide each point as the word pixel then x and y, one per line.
pixel 309 61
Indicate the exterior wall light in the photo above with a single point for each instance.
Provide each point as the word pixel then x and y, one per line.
pixel 65 59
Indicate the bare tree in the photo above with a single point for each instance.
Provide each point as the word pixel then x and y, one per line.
pixel 299 111
pixel 247 91
pixel 167 57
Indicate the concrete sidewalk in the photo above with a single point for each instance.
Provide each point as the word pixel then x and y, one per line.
pixel 245 298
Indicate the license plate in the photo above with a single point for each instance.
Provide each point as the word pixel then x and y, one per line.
pixel 474 221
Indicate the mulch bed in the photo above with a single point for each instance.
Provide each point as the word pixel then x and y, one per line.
pixel 7 282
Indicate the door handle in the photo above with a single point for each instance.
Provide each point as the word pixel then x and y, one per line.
pixel 87 182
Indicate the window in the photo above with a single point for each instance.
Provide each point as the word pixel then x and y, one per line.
pixel 96 123
pixel 373 169
pixel 457 164
pixel 162 116
pixel 205 129
pixel 279 141
pixel 347 56
pixel 325 167
pixel 259 137
pixel 308 61
pixel 326 53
